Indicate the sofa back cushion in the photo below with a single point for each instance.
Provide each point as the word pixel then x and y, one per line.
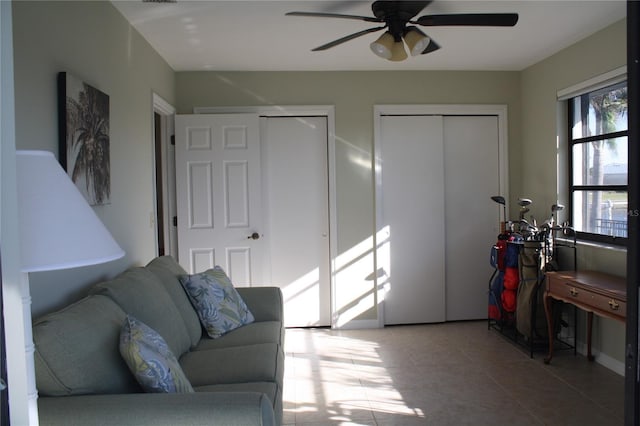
pixel 76 350
pixel 139 293
pixel 168 270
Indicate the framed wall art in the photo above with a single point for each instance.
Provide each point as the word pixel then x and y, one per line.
pixel 83 116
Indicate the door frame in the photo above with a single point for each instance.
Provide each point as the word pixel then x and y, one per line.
pixel 430 109
pixel 327 111
pixel 168 166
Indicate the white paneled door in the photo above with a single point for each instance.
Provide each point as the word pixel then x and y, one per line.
pixel 435 220
pixel 253 197
pixel 219 195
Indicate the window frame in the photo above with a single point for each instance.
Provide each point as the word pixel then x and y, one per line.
pixel 573 188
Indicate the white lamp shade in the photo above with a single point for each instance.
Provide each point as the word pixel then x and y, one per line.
pixel 58 229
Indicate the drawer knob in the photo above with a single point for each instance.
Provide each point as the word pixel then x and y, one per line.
pixel 573 291
pixel 614 305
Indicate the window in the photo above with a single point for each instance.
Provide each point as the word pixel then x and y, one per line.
pixel 598 130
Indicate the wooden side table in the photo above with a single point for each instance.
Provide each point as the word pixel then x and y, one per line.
pixel 594 292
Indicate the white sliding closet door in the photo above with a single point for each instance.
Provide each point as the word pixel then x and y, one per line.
pixel 412 229
pixel 471 166
pixel 295 202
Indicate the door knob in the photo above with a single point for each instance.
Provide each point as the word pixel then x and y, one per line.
pixel 254 236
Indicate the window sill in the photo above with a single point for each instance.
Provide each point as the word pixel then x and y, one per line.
pixel 586 243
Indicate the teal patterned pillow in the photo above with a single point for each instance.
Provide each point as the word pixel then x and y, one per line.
pixel 219 306
pixel 150 359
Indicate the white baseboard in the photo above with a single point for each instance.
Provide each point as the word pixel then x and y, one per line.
pixel 603 359
pixel 358 324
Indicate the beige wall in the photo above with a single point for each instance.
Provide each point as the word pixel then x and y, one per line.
pixel 591 57
pixel 93 41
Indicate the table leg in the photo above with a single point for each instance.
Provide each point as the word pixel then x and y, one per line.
pixel 589 329
pixel 549 314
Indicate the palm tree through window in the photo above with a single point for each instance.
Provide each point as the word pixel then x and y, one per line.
pixel 598 138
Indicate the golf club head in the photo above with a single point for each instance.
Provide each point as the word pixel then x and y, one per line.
pixel 555 208
pixel 522 202
pixel 499 199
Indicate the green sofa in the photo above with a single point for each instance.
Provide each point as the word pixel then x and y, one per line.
pixel 83 380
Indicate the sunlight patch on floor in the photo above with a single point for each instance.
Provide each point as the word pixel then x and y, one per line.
pixel 337 379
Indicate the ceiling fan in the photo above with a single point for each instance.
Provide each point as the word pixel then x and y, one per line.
pixel 396 17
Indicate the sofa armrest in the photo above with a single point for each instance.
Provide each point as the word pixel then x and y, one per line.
pixel 265 303
pixel 200 408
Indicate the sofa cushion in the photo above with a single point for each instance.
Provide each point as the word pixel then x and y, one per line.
pixel 262 362
pixel 219 306
pixel 168 270
pixel 257 332
pixel 76 350
pixel 150 360
pixel 270 389
pixel 140 294
pixel 159 409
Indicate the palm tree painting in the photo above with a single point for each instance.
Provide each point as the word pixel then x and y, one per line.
pixel 84 127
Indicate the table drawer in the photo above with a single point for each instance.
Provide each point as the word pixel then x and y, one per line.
pixel 610 305
pixel 568 290
pixel 574 293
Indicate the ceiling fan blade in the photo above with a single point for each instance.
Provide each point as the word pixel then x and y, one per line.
pixel 347 38
pixel 414 7
pixel 431 47
pixel 469 19
pixel 334 15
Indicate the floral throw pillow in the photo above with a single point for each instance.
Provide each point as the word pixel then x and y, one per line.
pixel 219 306
pixel 150 360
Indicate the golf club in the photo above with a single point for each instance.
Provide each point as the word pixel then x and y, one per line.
pixel 523 203
pixel 500 200
pixel 555 208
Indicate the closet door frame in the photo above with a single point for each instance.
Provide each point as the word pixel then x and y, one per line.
pixel 430 109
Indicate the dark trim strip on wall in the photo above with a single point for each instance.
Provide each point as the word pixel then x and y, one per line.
pixel 632 382
pixel 4 393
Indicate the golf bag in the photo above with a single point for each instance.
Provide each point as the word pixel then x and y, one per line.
pixel 530 316
pixel 511 280
pixel 496 280
pixel 504 284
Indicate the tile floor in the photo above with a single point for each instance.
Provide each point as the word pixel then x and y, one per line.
pixel 440 374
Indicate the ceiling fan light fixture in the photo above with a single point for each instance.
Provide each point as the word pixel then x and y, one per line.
pixel 397 52
pixel 416 40
pixel 383 46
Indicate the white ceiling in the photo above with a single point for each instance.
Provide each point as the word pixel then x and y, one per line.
pixel 257 36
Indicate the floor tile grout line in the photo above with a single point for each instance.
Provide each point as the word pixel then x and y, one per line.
pixel 384 342
pixel 576 389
